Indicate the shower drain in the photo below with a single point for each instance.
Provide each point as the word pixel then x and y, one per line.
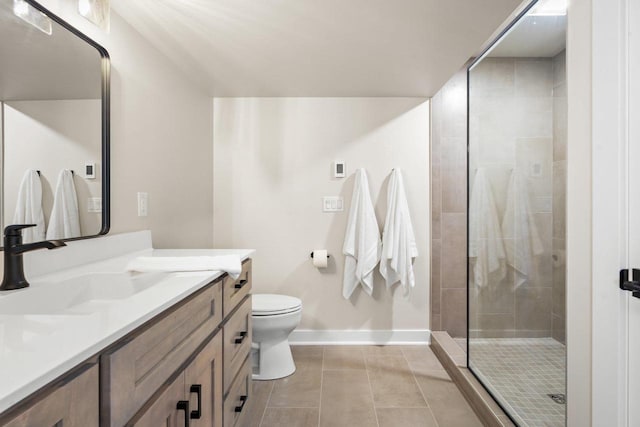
pixel 558 398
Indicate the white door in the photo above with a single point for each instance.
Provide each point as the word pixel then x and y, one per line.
pixel 633 327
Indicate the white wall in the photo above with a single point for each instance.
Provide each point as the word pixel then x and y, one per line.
pixel 272 166
pixel 579 209
pixel 161 132
pixel 50 136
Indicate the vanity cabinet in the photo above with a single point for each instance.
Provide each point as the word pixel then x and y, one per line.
pixel 69 402
pixel 181 367
pixel 188 366
pixel 194 396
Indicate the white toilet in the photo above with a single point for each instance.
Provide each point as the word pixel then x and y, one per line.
pixel 274 317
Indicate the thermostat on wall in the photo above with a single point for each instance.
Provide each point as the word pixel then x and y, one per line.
pixel 90 170
pixel 339 169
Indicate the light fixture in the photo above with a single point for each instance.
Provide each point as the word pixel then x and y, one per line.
pixel 33 16
pixel 96 11
pixel 549 8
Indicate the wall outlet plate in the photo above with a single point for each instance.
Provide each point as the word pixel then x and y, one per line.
pixel 143 204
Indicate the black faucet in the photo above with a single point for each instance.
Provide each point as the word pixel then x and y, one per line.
pixel 13 250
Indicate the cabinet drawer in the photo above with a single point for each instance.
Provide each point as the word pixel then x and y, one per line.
pixel 133 372
pixel 234 290
pixel 237 341
pixel 70 404
pixel 237 401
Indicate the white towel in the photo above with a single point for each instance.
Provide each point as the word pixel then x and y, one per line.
pixel 485 235
pixel 398 240
pixel 231 264
pixel 65 218
pixel 521 239
pixel 362 240
pixel 29 207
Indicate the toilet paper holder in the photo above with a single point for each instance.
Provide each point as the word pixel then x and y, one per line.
pixel 311 255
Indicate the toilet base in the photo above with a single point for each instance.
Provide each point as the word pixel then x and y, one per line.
pixel 274 361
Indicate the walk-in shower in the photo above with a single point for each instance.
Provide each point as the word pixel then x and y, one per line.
pixel 517 133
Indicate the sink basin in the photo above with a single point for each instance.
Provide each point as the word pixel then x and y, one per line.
pixel 79 295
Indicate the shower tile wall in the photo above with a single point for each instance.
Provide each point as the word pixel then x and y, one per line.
pixel 449 206
pixel 512 130
pixel 559 196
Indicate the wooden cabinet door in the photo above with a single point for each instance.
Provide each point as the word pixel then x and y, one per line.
pixel 72 404
pixel 203 385
pixel 164 409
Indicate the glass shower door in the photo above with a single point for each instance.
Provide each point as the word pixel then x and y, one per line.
pixel 516 214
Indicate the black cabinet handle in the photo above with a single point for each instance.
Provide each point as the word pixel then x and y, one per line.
pixel 243 400
pixel 183 405
pixel 241 338
pixel 240 284
pixel 197 389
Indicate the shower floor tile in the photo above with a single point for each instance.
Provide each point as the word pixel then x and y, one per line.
pixel 521 373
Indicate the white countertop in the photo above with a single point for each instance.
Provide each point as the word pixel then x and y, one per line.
pixel 37 348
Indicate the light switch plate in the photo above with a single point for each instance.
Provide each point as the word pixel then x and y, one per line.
pixel 94 204
pixel 332 204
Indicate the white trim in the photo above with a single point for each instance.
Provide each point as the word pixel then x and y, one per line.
pixel 579 206
pixel 609 211
pixel 360 337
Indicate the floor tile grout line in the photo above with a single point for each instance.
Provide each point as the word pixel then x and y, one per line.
pixel 373 401
pixel 266 406
pixel 321 381
pixel 426 401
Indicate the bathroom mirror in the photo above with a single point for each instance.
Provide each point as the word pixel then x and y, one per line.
pixel 54 121
pixel 517 150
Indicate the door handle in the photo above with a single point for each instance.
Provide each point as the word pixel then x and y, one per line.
pixel 183 405
pixel 632 285
pixel 241 283
pixel 197 389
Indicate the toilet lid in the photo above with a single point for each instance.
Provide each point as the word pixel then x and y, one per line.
pixel 272 304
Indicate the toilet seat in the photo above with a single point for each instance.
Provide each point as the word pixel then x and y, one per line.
pixel 274 304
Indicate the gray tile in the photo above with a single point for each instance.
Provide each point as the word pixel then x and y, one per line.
pixel 392 383
pixel 445 400
pixel 290 417
pixel 300 390
pixel 346 399
pixel 343 357
pixel 258 402
pixel 533 309
pixel 435 279
pixel 454 312
pixel 405 417
pixel 521 372
pixel 453 273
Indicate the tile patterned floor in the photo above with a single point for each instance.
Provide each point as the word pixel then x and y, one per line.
pixel 522 372
pixel 361 386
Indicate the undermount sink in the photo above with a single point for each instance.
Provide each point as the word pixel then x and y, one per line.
pixel 79 295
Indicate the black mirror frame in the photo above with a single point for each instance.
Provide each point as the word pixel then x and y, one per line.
pixel 106 112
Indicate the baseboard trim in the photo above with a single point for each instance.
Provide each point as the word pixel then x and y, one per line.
pixel 360 337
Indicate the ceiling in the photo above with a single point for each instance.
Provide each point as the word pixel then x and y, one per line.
pixel 534 36
pixel 336 48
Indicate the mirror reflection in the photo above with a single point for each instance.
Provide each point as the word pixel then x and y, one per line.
pixel 517 181
pixel 51 120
